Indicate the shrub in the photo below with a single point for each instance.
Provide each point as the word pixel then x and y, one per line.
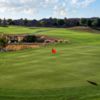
pixel 3 42
pixel 30 39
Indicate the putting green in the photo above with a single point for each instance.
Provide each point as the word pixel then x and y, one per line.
pixel 37 74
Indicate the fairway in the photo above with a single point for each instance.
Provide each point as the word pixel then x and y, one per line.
pixel 37 74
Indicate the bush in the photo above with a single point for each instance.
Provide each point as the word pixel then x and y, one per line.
pixel 3 42
pixel 30 39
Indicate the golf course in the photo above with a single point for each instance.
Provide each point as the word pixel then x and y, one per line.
pixel 73 73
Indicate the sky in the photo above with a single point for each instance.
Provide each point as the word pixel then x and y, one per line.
pixel 38 9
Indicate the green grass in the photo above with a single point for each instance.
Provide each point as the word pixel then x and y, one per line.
pixel 36 74
pixel 21 30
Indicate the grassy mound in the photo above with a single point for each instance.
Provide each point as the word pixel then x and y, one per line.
pixel 86 29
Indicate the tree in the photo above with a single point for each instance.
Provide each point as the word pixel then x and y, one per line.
pixel 55 22
pixel 61 22
pixel 83 21
pixel 95 23
pixel 42 23
pixel 21 22
pixel 98 22
pixel 25 21
pixel 10 22
pixel 4 23
pixel 0 21
pixel 89 22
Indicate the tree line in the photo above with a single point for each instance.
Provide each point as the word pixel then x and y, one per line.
pixel 53 22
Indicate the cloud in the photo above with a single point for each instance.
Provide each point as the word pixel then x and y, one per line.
pixel 19 6
pixel 48 3
pixel 60 11
pixel 59 8
pixel 83 3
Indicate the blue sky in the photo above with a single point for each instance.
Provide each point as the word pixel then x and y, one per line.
pixel 38 9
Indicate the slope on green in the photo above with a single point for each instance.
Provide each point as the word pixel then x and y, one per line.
pixel 37 74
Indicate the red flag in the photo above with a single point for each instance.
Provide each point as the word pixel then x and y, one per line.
pixel 54 51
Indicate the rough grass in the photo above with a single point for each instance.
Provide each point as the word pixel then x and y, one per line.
pixel 36 74
pixel 85 29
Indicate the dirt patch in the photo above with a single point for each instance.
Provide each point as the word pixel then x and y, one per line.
pixel 14 47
